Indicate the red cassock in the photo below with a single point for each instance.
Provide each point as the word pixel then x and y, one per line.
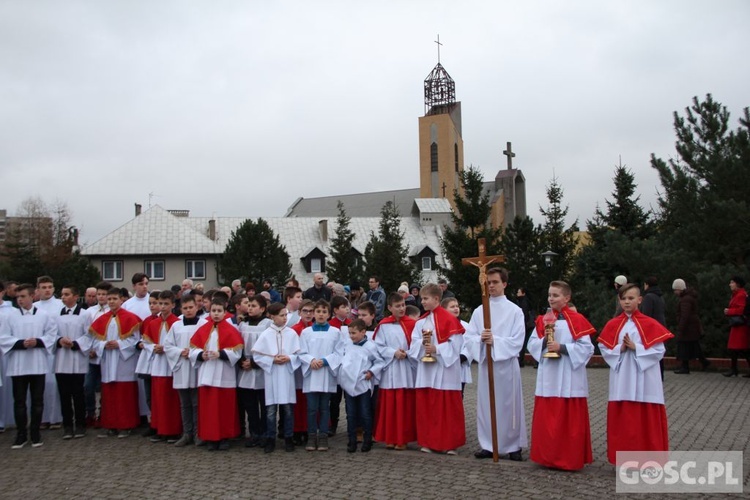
pixel 166 417
pixel 119 399
pixel 218 411
pixel 300 408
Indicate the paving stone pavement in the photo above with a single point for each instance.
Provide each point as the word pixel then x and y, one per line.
pixel 705 410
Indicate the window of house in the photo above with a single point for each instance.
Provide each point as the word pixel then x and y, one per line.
pixel 195 269
pixel 154 269
pixel 315 265
pixel 426 263
pixel 112 270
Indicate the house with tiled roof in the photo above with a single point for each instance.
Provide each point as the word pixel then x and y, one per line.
pixel 170 245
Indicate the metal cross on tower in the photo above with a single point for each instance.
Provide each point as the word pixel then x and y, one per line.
pixel 510 154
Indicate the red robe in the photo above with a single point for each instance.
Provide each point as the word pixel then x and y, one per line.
pixel 395 411
pixel 166 417
pixel 300 408
pixel 560 429
pixel 218 411
pixel 119 400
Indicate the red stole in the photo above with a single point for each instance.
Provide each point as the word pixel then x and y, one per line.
pixel 337 323
pixel 446 324
pixel 127 323
pixel 300 326
pixel 577 323
pixel 651 331
pixel 152 330
pixel 229 337
pixel 407 325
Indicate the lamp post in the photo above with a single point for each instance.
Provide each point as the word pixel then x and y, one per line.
pixel 549 257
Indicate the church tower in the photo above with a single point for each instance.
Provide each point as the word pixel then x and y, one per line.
pixel 441 147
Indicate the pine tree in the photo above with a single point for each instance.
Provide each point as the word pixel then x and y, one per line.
pixel 254 252
pixel 386 255
pixel 624 214
pixel 471 221
pixel 345 264
pixel 555 237
pixel 522 247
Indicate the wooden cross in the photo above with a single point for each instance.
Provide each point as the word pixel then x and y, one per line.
pixel 444 186
pixel 510 154
pixel 482 262
pixel 438 45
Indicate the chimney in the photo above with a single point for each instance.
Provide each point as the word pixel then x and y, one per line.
pixel 137 209
pixel 323 230
pixel 212 229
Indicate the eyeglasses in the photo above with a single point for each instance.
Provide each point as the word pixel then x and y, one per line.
pixel 308 311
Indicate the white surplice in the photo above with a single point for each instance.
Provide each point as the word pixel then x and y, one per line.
pixel 445 372
pixel 396 373
pixel 356 361
pixel 252 378
pixel 279 379
pixel 320 344
pixel 184 375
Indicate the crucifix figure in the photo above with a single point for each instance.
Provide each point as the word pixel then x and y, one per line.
pixel 510 154
pixel 438 46
pixel 481 262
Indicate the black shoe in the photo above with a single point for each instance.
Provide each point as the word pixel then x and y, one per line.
pixel 483 454
pixel 149 432
pixel 68 433
pixel 351 447
pixel 747 375
pixel 366 446
pixel 212 445
pixel 270 446
pixel 297 439
pixel 730 373
pixel 682 371
pixel 705 363
pixel 516 456
pixel 288 445
pixel 252 442
pixel 224 445
pixel 19 443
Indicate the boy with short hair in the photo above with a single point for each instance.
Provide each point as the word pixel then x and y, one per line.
pixel 115 334
pixel 321 350
pixel 26 339
pixel 293 299
pixel 50 305
pixel 165 400
pixel 145 351
pixel 277 353
pixel 439 407
pixel 632 345
pixel 215 348
pixel 72 362
pixel 184 375
pixel 361 364
pixel 451 305
pixel 307 318
pixel 366 312
pixel 250 382
pixel 560 431
pixel 395 422
pixel 339 319
pixel 93 381
pixel 413 312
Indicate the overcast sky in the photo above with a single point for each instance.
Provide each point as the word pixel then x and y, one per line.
pixel 236 108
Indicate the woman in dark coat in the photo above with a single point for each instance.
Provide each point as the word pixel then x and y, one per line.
pixel 689 328
pixel 739 334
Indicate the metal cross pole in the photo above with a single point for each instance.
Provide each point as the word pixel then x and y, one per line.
pixel 482 262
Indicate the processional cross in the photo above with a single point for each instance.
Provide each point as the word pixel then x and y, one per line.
pixel 482 261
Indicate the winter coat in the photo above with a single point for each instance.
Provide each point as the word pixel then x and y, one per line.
pixel 689 326
pixel 653 304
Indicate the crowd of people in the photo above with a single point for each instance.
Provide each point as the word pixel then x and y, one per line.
pixel 209 366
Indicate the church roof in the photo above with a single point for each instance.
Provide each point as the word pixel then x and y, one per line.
pixel 433 205
pixel 356 205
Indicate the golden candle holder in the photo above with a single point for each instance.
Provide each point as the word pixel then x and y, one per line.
pixel 427 341
pixel 549 332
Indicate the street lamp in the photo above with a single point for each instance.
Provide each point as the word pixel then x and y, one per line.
pixel 549 256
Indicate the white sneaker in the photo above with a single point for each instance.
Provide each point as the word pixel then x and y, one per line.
pixel 424 449
pixel 451 452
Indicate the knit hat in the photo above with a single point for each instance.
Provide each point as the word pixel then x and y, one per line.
pixel 621 280
pixel 678 284
pixel 403 289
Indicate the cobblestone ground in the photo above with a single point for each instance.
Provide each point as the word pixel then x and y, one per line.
pixel 706 412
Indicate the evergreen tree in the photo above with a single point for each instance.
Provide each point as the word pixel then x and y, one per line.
pixel 471 221
pixel 386 255
pixel 254 252
pixel 522 247
pixel 555 237
pixel 345 265
pixel 624 214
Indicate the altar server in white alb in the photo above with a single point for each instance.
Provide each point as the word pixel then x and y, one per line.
pixel 72 362
pixel 6 387
pixel 27 339
pixel 439 408
pixel 506 340
pixel 560 430
pixel 632 345
pixel 395 413
pixel 277 352
pixel 50 305
pixel 184 375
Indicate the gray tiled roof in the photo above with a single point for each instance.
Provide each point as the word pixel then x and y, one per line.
pixel 433 205
pixel 356 205
pixel 157 232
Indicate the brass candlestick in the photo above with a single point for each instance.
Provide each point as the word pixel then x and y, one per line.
pixel 549 332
